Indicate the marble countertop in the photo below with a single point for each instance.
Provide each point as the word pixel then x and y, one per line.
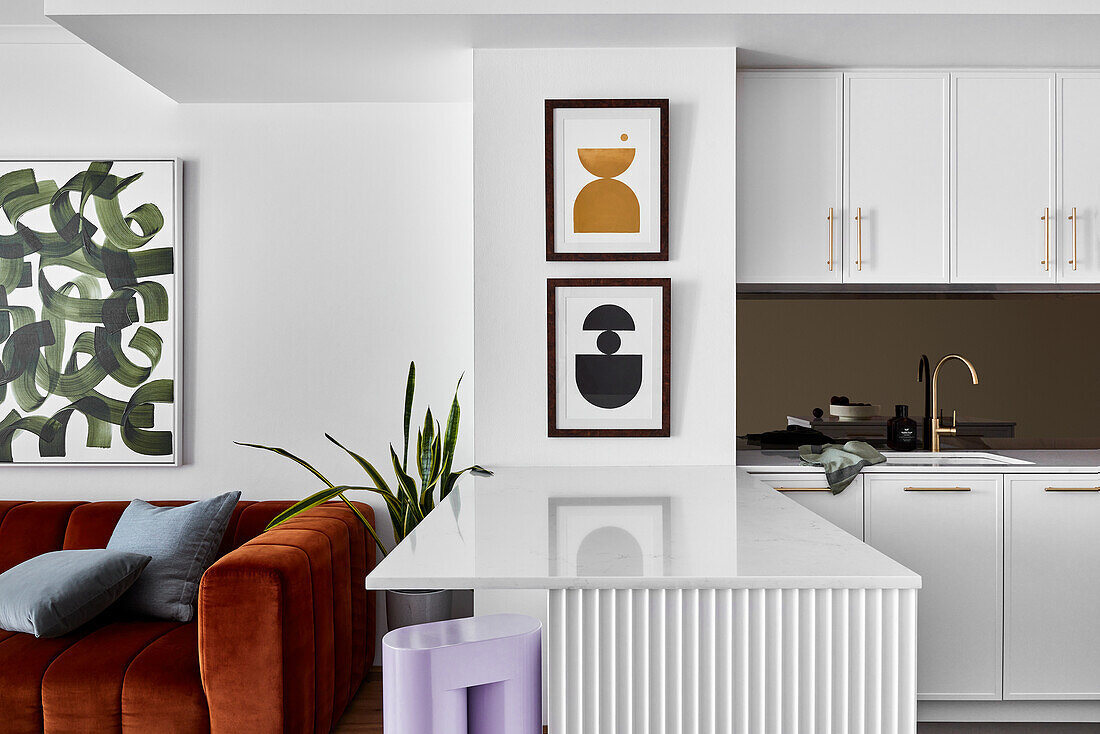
pixel 617 527
pixel 1053 461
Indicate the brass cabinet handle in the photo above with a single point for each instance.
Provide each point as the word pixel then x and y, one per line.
pixel 1073 218
pixel 859 238
pixel 937 489
pixel 803 489
pixel 829 262
pixel 1046 228
pixel 1073 489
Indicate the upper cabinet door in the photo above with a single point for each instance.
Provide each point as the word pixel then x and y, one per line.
pixel 1079 189
pixel 789 177
pixel 1004 205
pixel 896 176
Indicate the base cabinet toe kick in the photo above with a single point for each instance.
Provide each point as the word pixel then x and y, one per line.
pixel 719 661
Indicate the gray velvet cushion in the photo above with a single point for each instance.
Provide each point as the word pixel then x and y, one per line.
pixel 182 541
pixel 54 593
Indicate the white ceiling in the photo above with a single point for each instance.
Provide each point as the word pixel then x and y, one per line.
pixel 363 50
pixel 568 7
pixel 22 12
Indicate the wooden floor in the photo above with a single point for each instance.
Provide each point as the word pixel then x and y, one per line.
pixel 364 716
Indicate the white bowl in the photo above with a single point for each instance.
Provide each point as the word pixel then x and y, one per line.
pixel 853 412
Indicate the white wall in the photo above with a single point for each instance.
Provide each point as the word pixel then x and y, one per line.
pixel 509 249
pixel 324 247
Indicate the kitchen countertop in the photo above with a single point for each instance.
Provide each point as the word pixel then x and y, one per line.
pixel 1054 461
pixel 696 527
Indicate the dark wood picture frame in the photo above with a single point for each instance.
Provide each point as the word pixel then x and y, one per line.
pixel 553 104
pixel 552 284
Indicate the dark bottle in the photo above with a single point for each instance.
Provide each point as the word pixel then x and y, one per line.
pixel 902 432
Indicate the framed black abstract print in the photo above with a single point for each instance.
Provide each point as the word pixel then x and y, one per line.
pixel 606 179
pixel 608 344
pixel 90 312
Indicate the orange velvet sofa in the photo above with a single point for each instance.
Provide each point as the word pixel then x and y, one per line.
pixel 282 639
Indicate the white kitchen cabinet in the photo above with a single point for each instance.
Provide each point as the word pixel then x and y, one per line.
pixel 1003 178
pixel 789 179
pixel 896 174
pixel 947 528
pixel 1079 185
pixel 845 510
pixel 1052 593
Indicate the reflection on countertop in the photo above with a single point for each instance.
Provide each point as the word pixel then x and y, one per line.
pixel 630 527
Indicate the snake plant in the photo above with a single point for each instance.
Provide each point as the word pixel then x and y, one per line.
pixel 408 502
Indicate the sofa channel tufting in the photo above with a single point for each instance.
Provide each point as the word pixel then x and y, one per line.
pixel 281 642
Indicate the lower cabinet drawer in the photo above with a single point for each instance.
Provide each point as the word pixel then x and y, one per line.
pixel 947 528
pixel 845 510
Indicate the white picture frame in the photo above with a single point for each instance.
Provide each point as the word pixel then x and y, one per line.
pixel 156 308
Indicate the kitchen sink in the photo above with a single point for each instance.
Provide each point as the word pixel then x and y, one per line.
pixel 948 458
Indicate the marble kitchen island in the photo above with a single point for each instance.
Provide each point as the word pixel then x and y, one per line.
pixel 682 599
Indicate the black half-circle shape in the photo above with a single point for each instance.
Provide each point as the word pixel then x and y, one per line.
pixel 608 316
pixel 609 380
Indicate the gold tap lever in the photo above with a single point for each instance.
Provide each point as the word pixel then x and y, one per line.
pixel 937 427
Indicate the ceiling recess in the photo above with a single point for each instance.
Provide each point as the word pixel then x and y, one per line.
pixel 421 50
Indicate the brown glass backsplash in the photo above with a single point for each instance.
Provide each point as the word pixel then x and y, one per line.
pixel 1037 356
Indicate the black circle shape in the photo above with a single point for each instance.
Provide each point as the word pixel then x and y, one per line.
pixel 608 342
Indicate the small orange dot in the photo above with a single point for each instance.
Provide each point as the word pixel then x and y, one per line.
pixel 622 137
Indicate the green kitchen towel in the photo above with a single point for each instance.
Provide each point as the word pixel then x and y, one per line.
pixel 841 463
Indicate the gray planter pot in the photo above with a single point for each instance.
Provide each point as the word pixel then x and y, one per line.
pixel 405 608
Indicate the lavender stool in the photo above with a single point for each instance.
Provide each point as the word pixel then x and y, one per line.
pixel 479 675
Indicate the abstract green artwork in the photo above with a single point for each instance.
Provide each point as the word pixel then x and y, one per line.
pixel 89 329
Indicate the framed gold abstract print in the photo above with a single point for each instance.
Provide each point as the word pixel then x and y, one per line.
pixel 608 348
pixel 607 179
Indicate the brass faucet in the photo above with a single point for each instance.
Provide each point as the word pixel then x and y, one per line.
pixel 937 431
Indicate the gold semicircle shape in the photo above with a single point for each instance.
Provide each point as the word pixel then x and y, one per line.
pixel 606 205
pixel 606 162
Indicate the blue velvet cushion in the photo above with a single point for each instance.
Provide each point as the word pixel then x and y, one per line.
pixel 182 541
pixel 54 593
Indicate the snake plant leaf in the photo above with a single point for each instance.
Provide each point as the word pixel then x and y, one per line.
pixel 410 388
pixel 450 479
pixel 367 525
pixel 324 496
pixel 288 455
pixel 408 524
pixel 417 448
pixel 437 459
pixel 376 477
pixel 302 505
pixel 393 504
pixel 427 501
pixel 450 440
pixel 424 448
pixel 408 491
